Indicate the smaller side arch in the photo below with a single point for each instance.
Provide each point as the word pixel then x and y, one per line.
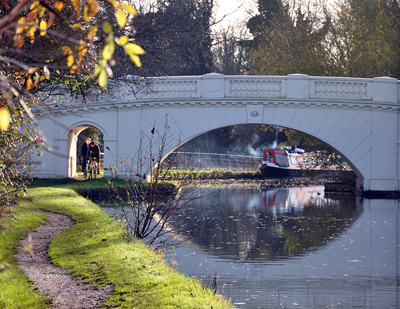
pixel 73 133
pixel 87 123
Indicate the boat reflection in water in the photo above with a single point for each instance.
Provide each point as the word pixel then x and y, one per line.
pixel 291 200
pixel 248 224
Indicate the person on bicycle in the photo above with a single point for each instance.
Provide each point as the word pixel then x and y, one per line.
pixel 94 153
pixel 84 154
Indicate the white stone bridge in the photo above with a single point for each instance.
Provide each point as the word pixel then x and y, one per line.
pixel 358 117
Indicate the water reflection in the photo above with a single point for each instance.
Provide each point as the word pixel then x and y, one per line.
pixel 348 257
pixel 249 224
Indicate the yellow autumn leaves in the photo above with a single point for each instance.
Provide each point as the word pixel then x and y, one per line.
pixel 120 15
pixel 90 10
pixel 36 22
pixel 42 18
pixel 33 21
pixel 122 12
pixel 4 119
pixel 131 49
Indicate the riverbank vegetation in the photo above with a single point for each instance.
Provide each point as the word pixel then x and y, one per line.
pixel 98 250
pixel 204 174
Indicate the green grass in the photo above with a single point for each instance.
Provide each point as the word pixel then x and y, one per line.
pixel 80 176
pixel 98 250
pixel 73 184
pixel 83 184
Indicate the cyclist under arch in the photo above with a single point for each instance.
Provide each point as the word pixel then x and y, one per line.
pixel 94 153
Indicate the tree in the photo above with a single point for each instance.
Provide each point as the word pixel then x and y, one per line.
pixel 16 163
pixel 366 40
pixel 268 11
pixel 291 41
pixel 73 47
pixel 359 39
pixel 230 52
pixel 392 8
pixel 176 35
pixel 66 39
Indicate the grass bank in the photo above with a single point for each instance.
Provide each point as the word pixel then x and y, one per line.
pixel 97 250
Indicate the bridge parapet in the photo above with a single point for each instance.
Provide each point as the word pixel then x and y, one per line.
pixel 341 88
pixel 219 86
pixel 293 86
pixel 300 86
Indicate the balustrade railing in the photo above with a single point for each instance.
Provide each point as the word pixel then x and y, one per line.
pixel 217 86
pixel 340 88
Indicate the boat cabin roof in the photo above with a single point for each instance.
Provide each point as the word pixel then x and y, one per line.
pixel 273 152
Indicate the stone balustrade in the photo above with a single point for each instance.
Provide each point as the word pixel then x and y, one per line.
pixel 294 86
pixel 217 86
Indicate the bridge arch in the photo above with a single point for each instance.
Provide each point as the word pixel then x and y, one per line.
pixel 72 133
pixel 357 117
pixel 353 166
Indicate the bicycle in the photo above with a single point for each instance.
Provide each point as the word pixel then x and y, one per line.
pixel 91 168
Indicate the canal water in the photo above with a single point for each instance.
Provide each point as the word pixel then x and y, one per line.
pixel 292 248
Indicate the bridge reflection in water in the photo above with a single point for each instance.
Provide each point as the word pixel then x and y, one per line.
pixel 294 248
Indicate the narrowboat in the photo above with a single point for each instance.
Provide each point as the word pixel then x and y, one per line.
pixel 280 163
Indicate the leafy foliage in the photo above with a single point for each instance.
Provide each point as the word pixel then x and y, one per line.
pixel 71 37
pixel 45 43
pixel 367 40
pixel 290 42
pixel 359 39
pixel 16 161
pixel 177 37
pixel 309 143
pixel 268 11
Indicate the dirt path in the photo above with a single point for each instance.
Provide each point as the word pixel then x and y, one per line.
pixel 61 287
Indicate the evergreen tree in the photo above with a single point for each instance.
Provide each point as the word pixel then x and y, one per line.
pixel 176 35
pixel 268 10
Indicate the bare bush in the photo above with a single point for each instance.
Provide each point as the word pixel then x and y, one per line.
pixel 150 202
